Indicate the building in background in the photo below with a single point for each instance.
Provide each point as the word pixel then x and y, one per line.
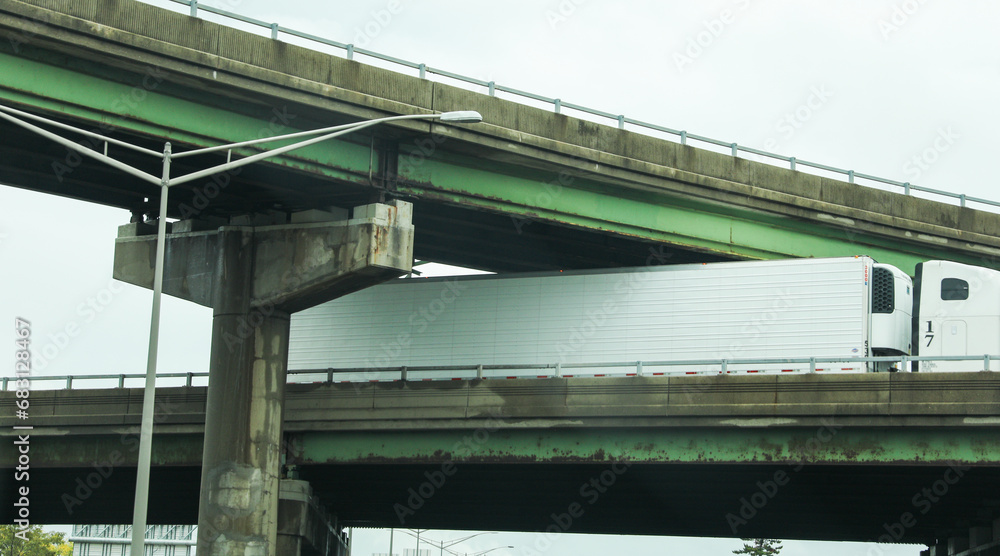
pixel 114 540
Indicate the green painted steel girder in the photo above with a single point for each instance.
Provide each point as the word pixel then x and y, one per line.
pixel 663 218
pixel 827 444
pixel 150 104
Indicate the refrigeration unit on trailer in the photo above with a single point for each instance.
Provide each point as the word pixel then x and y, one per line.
pixel 957 313
pixel 846 308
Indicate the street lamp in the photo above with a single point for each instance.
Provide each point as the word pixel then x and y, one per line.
pixel 19 118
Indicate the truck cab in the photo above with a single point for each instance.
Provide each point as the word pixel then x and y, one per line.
pixel 957 312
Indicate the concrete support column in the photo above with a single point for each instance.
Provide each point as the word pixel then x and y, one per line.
pixel 244 410
pixel 254 277
pixel 304 528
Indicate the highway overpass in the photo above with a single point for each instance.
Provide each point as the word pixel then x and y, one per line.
pixel 528 189
pixel 836 457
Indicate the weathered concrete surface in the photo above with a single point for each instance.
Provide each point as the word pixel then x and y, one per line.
pixel 297 265
pixel 241 465
pixel 854 450
pixel 304 528
pixel 925 413
pixel 253 278
pixel 220 61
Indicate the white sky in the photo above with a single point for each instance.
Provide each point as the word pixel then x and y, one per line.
pixel 863 85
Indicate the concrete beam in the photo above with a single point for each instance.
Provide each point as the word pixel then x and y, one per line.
pixel 298 265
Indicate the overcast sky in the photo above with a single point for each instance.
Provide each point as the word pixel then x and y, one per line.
pixel 903 90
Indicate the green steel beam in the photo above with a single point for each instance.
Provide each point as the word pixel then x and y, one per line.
pixel 146 104
pixel 153 106
pixel 829 444
pixel 663 218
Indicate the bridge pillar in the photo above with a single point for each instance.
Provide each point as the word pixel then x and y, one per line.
pixel 254 277
pixel 981 540
pixel 304 527
pixel 241 462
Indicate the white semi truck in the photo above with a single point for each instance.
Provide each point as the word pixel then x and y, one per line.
pixel 602 322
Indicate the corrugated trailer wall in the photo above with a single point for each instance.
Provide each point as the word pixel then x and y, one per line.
pixel 740 310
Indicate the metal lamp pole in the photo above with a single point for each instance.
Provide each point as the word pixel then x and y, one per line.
pixel 20 118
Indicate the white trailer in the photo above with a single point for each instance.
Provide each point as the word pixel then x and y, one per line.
pixel 844 308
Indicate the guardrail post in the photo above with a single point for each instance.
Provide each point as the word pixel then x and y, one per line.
pixel 812 364
pixel 190 378
pixel 121 381
pixel 725 366
pixel 493 88
pixel 850 176
pixel 906 188
pixel 402 374
pixel 69 382
pixel 558 369
pixel 329 376
pixel 961 198
pixel 902 362
pixel 350 52
pixel 986 362
pixel 423 71
pixel 638 368
pixel 274 31
pixel 558 104
pixel 5 379
pixel 736 150
pixel 684 137
pixel 791 160
pixel 194 8
pixel 621 122
pixel 479 371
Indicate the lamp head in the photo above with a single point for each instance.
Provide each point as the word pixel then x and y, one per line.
pixel 462 117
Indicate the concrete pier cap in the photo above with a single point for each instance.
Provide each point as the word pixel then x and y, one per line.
pixel 298 265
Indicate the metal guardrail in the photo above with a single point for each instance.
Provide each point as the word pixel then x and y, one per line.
pixel 553 370
pixel 557 104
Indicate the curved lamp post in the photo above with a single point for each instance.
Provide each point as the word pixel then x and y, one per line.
pixel 20 118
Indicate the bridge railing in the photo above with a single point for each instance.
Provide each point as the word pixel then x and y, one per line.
pixel 557 105
pixel 703 367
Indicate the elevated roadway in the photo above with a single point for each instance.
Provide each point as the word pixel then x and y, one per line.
pixel 837 457
pixel 527 189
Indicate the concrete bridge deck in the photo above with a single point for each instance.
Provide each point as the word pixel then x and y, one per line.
pixel 527 189
pixel 851 452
